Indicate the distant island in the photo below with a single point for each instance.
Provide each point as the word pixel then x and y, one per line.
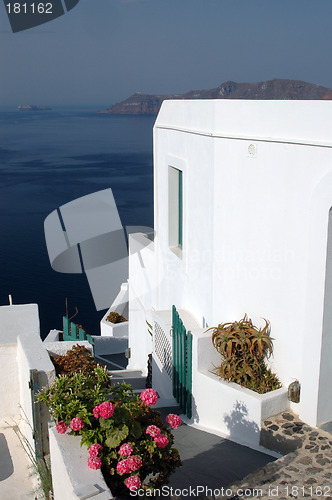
pixel 31 107
pixel 277 89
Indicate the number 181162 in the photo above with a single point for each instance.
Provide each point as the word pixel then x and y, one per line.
pixel 312 491
pixel 29 8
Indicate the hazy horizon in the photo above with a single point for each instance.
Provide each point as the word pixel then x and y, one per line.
pixel 103 52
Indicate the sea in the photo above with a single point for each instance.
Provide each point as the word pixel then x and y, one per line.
pixel 47 159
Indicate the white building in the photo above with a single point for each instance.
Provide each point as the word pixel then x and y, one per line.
pixel 243 196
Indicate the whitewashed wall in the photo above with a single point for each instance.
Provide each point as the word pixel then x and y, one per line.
pixel 257 179
pixel 71 477
pixel 21 350
pixel 9 407
pixel 142 287
pixel 225 408
pixel 32 355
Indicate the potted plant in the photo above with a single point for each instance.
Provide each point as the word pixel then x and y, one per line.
pixel 114 324
pixel 115 317
pixel 125 438
pixel 244 349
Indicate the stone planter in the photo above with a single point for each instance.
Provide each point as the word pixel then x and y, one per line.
pixel 226 408
pixel 109 329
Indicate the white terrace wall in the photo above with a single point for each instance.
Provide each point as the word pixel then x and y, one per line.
pixel 21 351
pixel 142 286
pixel 72 478
pixel 257 190
pixel 224 408
pixel 9 387
pixel 32 355
pixel 14 320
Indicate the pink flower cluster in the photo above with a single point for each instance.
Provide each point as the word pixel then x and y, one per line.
pixel 76 424
pixel 125 450
pixel 133 482
pixel 160 439
pixel 94 462
pixel 129 464
pixel 153 431
pixel 94 449
pixel 61 427
pixel 104 410
pixel 173 420
pixel 149 397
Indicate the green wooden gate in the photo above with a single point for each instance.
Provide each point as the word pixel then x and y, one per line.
pixel 36 420
pixel 182 364
pixel 71 331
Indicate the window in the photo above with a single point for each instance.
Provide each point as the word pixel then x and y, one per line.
pixel 175 210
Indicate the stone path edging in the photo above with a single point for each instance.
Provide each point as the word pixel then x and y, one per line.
pixel 305 472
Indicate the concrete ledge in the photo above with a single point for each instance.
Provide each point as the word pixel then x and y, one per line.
pixel 15 320
pixel 225 407
pixel 53 336
pixel 71 476
pixel 32 355
pixel 120 306
pixel 109 329
pixel 61 348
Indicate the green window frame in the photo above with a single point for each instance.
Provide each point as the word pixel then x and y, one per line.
pixel 175 209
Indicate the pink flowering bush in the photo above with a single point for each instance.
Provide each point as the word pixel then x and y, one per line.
pixel 126 449
pixel 173 420
pixel 76 424
pixel 133 483
pixel 153 431
pixel 149 397
pixel 161 440
pixel 122 467
pixel 95 449
pixel 134 463
pixel 105 410
pixel 125 438
pixel 61 427
pixel 94 462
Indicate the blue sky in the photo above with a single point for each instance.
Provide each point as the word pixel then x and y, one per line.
pixel 102 51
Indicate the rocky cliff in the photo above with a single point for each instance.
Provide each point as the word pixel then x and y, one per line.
pixel 145 104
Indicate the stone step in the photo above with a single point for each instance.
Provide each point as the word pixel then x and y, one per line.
pixel 113 361
pixel 283 433
pixel 133 377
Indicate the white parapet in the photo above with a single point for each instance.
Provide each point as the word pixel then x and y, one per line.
pixel 120 306
pixel 61 348
pixel 72 478
pixel 225 408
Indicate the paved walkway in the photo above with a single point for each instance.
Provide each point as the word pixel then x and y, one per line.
pixel 211 462
pixel 224 470
pixel 304 473
pixel 15 476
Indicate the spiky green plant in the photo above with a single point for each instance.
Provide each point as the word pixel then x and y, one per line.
pixel 244 349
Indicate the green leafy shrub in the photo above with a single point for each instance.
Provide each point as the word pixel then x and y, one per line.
pixel 244 349
pixel 115 317
pixel 125 437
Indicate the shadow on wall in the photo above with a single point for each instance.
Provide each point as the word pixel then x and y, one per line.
pixel 6 464
pixel 239 426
